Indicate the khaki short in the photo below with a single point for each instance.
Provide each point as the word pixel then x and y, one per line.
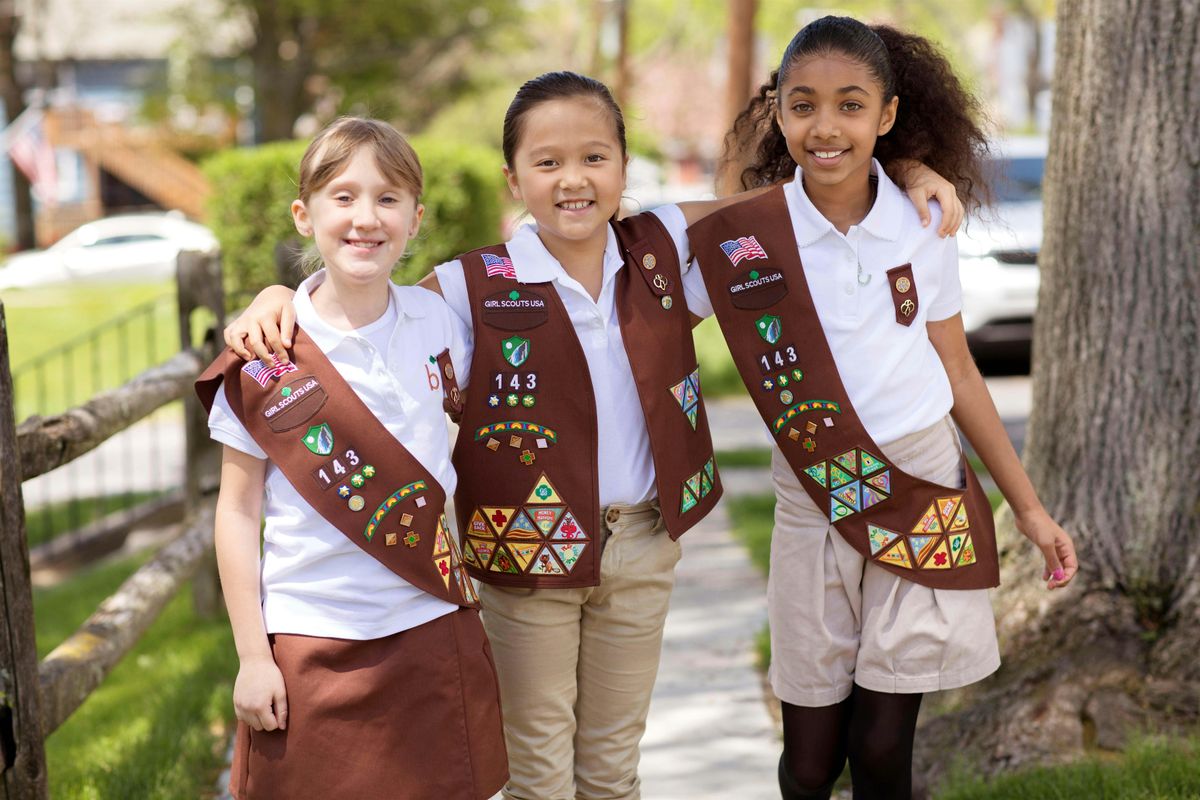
pixel 838 619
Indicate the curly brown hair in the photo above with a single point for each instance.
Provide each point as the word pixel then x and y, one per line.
pixel 938 122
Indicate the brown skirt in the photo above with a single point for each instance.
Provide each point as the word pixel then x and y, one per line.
pixel 411 716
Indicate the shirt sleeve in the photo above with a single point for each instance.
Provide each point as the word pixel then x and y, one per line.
pixel 226 428
pixel 454 291
pixel 694 290
pixel 948 300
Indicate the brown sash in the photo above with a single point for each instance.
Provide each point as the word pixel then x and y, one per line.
pixel 528 494
pixel 345 463
pixel 934 535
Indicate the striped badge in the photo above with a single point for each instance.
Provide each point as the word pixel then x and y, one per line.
pixel 263 372
pixel 743 247
pixel 498 265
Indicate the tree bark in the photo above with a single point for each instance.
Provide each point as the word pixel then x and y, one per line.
pixel 14 104
pixel 741 57
pixel 1115 429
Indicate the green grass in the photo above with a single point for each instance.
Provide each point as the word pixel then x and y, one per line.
pixel 747 457
pixel 43 320
pixel 46 523
pixel 1150 769
pixel 156 728
pixel 718 375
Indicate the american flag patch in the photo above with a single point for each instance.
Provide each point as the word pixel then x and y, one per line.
pixel 498 265
pixel 263 372
pixel 743 247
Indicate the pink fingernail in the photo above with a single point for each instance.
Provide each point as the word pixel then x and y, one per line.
pixel 1058 574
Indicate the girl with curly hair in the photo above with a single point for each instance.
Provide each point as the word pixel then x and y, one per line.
pixel 842 313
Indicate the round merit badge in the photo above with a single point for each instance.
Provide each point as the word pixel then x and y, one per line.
pixel 903 285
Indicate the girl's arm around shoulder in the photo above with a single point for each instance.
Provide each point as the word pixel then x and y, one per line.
pixel 920 183
pixel 259 694
pixel 976 415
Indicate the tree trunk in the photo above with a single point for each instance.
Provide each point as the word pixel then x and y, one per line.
pixel 14 104
pixel 279 93
pixel 1115 430
pixel 741 57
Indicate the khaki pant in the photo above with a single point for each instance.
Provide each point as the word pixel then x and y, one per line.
pixel 576 666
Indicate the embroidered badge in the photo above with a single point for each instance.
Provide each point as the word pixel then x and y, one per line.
pixel 262 372
pixel 515 382
pixel 802 407
pixel 391 502
pixel 697 487
pixel 758 290
pixel 783 357
pixel 517 426
pixel 333 470
pixel 741 248
pixel 299 402
pixel 515 310
pixel 769 328
pixel 515 350
pixel 687 394
pixel 319 439
pixel 499 265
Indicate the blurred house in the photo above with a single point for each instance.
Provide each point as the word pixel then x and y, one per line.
pixel 94 67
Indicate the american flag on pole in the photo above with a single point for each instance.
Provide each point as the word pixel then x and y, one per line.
pixel 497 265
pixel 263 372
pixel 743 247
pixel 32 153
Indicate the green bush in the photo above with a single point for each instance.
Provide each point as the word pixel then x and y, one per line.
pixel 253 189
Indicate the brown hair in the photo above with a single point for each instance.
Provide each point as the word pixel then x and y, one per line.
pixel 937 122
pixel 333 148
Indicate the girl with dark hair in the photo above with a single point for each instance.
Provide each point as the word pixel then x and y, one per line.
pixel 842 313
pixel 583 453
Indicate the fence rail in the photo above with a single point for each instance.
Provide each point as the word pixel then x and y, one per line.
pixel 36 699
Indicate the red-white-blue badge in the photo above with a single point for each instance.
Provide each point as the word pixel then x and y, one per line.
pixel 743 248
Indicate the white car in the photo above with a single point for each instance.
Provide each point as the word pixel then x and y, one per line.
pixel 120 248
pixel 998 253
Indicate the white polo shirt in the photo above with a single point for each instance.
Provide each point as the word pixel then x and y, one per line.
pixel 625 463
pixel 891 371
pixel 315 581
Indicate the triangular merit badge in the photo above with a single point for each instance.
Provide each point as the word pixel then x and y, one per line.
pixel 319 439
pixel 769 328
pixel 543 492
pixel 515 350
pixel 880 538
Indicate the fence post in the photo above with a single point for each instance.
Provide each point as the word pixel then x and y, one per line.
pixel 200 286
pixel 21 740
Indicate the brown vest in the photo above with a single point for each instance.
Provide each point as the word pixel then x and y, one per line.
pixel 528 493
pixel 934 535
pixel 345 463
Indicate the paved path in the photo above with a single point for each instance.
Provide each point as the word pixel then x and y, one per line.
pixel 709 734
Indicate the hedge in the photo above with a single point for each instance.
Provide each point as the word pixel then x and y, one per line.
pixel 253 189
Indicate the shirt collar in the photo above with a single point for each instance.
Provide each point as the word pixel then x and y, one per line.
pixel 325 335
pixel 534 264
pixel 883 221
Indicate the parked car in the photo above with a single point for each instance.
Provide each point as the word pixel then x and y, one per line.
pixel 118 248
pixel 998 251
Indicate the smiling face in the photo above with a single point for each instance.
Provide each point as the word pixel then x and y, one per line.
pixel 831 110
pixel 361 220
pixel 569 170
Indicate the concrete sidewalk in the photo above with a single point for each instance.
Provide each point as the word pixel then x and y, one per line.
pixel 709 736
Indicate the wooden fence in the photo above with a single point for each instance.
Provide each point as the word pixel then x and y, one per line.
pixel 36 698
